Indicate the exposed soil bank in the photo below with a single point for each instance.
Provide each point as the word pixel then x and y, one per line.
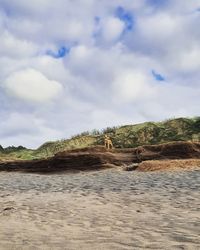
pixel 97 158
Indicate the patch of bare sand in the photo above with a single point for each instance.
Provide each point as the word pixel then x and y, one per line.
pixel 164 218
pixel 172 165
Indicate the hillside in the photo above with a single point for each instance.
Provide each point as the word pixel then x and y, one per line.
pixel 129 136
pixel 141 158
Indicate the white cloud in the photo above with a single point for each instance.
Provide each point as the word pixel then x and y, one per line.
pixel 112 29
pixel 31 85
pixel 25 28
pixel 23 7
pixel 180 6
pixel 159 27
pixel 11 46
pixel 25 129
pixel 131 86
pixel 170 38
pixel 106 78
pixel 188 60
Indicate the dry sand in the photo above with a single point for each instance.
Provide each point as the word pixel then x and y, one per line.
pixel 100 210
pixel 169 165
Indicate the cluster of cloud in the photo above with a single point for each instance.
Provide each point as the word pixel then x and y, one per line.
pixel 31 85
pixel 69 66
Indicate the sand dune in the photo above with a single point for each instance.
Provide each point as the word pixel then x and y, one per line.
pixel 97 158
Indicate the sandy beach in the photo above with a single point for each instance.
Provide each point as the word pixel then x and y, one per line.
pixel 110 209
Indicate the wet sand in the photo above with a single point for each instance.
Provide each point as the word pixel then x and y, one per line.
pixel 110 209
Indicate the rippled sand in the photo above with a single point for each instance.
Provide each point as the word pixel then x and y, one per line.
pixel 100 210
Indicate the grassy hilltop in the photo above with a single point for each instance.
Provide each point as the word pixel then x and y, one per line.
pixel 180 129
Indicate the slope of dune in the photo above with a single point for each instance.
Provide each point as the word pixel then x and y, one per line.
pixel 97 158
pixel 128 136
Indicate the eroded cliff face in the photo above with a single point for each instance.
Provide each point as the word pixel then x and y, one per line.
pixel 98 158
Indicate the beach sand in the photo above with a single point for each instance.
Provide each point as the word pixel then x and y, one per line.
pixel 110 209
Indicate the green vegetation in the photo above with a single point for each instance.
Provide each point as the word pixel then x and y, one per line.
pixel 181 129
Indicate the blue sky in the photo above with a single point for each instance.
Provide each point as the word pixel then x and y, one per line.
pixel 70 66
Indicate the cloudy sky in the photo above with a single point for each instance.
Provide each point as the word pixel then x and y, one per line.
pixel 67 66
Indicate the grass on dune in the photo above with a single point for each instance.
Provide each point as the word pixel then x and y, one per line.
pixel 128 136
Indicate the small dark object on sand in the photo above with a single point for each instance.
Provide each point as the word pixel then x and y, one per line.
pixel 130 167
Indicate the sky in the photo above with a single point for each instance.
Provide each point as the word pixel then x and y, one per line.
pixel 69 66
